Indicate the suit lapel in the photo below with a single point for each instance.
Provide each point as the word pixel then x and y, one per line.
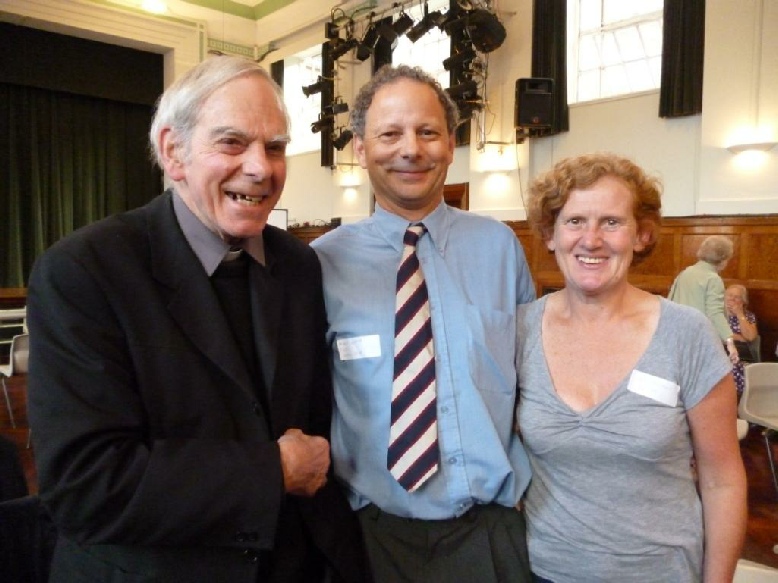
pixel 191 300
pixel 266 307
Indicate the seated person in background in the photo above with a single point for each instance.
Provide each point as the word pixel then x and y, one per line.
pixel 700 286
pixel 742 322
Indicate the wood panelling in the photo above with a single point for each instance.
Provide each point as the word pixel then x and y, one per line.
pixel 754 264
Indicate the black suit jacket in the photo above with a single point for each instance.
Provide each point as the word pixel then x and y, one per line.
pixel 154 455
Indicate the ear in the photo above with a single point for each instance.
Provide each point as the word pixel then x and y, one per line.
pixel 359 151
pixel 172 154
pixel 642 240
pixel 550 245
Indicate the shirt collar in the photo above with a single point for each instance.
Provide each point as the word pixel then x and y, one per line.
pixel 209 248
pixel 392 227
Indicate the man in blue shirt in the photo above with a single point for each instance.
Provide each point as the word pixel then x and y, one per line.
pixel 463 522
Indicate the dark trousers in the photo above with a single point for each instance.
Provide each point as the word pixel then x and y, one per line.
pixel 487 544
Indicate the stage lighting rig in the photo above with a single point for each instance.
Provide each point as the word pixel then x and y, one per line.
pixel 324 121
pixel 315 87
pixel 402 24
pixel 484 29
pixel 341 47
pixel 367 46
pixel 336 107
pixel 465 90
pixel 342 139
pixel 422 27
pixel 463 57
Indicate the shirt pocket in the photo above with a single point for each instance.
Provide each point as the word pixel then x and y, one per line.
pixel 492 349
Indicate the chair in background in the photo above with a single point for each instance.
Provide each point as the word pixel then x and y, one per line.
pixel 17 364
pixel 759 404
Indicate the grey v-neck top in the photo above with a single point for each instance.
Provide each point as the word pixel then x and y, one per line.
pixel 612 496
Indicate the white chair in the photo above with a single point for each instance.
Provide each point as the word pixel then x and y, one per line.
pixel 17 364
pixel 759 403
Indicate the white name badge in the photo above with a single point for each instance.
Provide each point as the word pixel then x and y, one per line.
pixel 655 388
pixel 359 347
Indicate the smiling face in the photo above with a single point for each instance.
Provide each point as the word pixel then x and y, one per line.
pixel 232 173
pixel 595 236
pixel 407 148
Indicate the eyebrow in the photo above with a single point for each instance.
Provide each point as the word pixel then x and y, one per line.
pixel 229 130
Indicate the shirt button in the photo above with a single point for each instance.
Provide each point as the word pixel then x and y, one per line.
pixel 452 460
pixel 257 408
pixel 444 410
pixel 251 555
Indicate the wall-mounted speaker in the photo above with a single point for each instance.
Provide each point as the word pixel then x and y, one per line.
pixel 534 103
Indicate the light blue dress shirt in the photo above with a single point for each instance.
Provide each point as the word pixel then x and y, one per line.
pixel 476 275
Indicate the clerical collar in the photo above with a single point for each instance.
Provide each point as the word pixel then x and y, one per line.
pixel 209 248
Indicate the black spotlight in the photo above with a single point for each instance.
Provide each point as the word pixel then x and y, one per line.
pixel 402 24
pixel 336 107
pixel 465 55
pixel 486 32
pixel 326 121
pixel 341 47
pixel 425 25
pixel 342 139
pixel 367 46
pixel 314 88
pixel 463 90
pixel 387 32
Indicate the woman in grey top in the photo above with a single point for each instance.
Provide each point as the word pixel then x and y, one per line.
pixel 620 389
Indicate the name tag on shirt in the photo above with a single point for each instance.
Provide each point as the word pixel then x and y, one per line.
pixel 655 388
pixel 359 347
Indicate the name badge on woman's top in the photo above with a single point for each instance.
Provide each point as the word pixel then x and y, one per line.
pixel 654 388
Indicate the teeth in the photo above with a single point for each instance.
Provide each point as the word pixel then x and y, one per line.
pixel 591 260
pixel 243 199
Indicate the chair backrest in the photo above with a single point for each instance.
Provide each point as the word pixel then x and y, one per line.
pixel 20 354
pixel 759 403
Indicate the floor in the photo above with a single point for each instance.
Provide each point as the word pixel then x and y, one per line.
pixel 762 531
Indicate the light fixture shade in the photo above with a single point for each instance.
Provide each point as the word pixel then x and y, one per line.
pixel 342 139
pixel 314 88
pixel 758 146
pixel 335 107
pixel 326 121
pixel 402 24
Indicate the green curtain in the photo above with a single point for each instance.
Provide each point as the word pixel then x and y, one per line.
pixel 683 56
pixel 67 160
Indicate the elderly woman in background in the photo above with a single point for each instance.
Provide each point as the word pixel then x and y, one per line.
pixel 700 286
pixel 619 388
pixel 742 322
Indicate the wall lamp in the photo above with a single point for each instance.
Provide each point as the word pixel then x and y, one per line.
pixel 315 87
pixel 464 56
pixel 759 146
pixel 324 121
pixel 342 139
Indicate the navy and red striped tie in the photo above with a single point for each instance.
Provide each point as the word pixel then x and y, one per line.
pixel 413 435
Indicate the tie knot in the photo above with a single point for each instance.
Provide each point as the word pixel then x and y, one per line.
pixel 413 234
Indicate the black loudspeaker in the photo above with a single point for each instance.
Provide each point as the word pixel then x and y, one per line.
pixel 534 103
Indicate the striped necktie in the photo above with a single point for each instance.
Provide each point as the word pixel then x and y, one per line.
pixel 413 435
